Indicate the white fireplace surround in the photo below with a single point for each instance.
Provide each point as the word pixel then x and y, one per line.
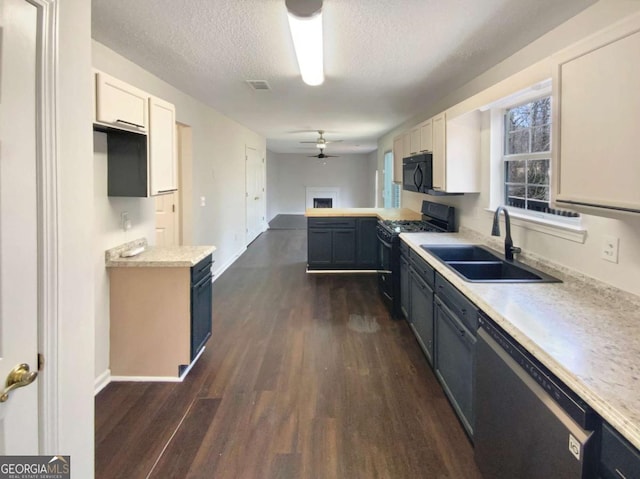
pixel 323 192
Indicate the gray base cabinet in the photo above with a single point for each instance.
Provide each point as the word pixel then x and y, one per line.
pixel 404 287
pixel 421 300
pixel 454 363
pixel 341 243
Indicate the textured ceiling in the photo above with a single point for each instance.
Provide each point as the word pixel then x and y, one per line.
pixel 385 62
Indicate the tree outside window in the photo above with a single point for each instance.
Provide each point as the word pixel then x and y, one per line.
pixel 527 156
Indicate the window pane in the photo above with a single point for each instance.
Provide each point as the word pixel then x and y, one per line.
pixel 519 117
pixel 541 112
pixel 541 138
pixel 538 172
pixel 540 193
pixel 518 142
pixel 515 191
pixel 515 171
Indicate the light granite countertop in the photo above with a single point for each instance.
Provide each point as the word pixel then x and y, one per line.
pixel 156 256
pixel 587 333
pixel 380 213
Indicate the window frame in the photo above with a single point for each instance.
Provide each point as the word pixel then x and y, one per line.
pixel 528 156
pixel 568 228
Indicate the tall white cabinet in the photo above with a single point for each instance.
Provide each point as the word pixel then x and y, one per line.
pixel 162 147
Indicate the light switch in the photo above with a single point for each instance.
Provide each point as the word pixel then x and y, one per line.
pixel 203 201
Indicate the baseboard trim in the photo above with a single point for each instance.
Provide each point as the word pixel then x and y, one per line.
pixel 102 381
pixel 217 273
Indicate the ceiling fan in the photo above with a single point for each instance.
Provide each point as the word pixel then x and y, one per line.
pixel 321 142
pixel 322 155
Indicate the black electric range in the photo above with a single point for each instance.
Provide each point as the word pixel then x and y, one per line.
pixel 436 218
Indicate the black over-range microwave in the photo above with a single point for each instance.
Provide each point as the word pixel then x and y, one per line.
pixel 417 173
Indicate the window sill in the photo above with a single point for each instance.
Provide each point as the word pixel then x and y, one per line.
pixel 571 232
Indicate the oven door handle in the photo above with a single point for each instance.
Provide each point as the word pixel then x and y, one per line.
pixel 384 243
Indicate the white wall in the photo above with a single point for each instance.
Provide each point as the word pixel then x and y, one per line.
pixel 75 272
pixel 218 175
pixel 524 68
pixel 289 174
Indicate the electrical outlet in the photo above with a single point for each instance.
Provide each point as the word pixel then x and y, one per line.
pixel 125 222
pixel 610 248
pixel 203 201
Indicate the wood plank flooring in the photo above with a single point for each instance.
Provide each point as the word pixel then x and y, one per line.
pixel 305 376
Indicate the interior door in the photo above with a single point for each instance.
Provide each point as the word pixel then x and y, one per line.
pixel 255 194
pixel 18 221
pixel 167 219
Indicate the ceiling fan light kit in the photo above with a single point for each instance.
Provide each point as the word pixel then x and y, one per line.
pixel 305 23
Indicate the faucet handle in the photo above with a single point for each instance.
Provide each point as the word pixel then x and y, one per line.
pixel 516 250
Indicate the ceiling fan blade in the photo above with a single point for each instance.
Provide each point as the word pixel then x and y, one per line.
pixel 308 142
pixel 333 141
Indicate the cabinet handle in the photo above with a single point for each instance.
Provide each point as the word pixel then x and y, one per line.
pixel 620 474
pixel 167 191
pixel 129 123
pixel 461 332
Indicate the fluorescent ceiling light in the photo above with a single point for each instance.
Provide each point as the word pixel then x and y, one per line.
pixel 306 32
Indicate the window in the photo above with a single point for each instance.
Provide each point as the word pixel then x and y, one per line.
pixel 527 155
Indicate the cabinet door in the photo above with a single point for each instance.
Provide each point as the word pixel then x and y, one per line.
pixel 201 311
pixel 422 313
pixel 414 140
pixel 405 285
pixel 397 159
pixel 367 243
pixel 344 247
pixel 319 247
pixel 439 153
pixel 120 104
pixel 162 147
pixel 406 144
pixel 426 136
pixel 454 363
pixel 596 119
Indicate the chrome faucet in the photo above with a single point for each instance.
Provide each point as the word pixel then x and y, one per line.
pixel 509 249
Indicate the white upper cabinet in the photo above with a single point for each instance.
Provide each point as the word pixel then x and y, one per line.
pixel 597 120
pixel 426 135
pixel 162 147
pixel 456 153
pixel 397 158
pixel 406 144
pixel 414 140
pixel 120 105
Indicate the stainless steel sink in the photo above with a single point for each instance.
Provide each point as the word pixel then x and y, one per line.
pixel 478 264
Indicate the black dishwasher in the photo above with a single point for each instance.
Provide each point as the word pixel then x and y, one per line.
pixel 529 425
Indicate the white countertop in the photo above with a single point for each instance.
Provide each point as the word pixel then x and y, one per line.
pixel 156 256
pixel 585 332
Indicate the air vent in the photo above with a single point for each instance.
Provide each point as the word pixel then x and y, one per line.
pixel 259 84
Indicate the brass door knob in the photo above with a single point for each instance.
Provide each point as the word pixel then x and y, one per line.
pixel 19 377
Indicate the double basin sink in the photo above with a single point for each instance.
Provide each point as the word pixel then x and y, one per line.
pixel 478 264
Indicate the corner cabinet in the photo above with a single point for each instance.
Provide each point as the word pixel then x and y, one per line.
pixel 398 154
pixel 596 120
pixel 141 138
pixel 162 147
pixel 456 153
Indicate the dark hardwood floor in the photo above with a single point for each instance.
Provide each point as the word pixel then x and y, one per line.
pixel 305 376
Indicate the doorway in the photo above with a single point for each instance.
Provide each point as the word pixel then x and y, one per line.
pixel 255 194
pixel 28 223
